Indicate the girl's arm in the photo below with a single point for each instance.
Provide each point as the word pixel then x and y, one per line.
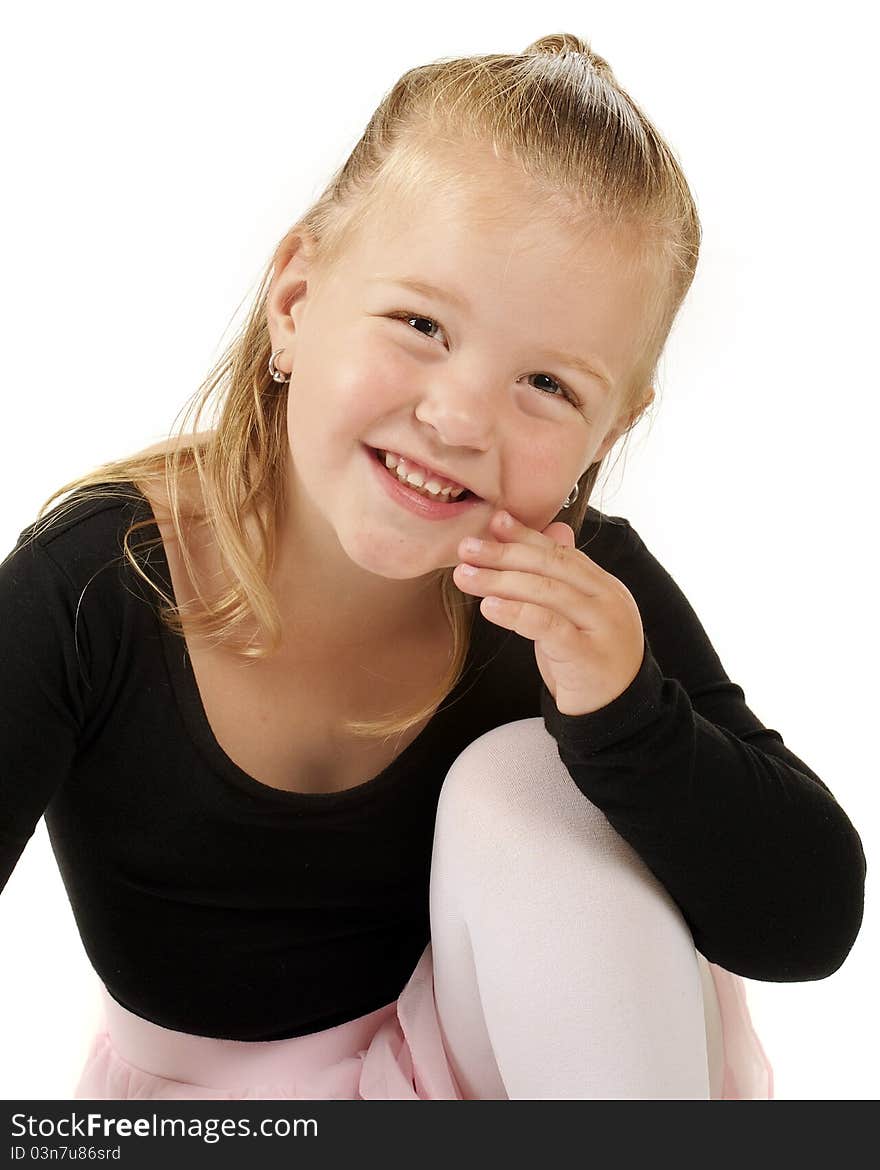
pixel 763 863
pixel 41 705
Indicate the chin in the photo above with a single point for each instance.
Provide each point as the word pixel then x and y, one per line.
pixel 393 559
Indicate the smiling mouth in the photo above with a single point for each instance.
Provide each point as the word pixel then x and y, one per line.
pixel 466 494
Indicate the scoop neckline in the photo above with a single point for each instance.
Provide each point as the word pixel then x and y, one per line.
pixel 192 709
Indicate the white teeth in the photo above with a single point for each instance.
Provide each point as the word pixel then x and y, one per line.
pixel 415 479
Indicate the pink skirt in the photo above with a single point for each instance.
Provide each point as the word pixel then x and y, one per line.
pixel 395 1053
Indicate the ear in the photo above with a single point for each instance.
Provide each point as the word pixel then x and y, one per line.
pixel 623 425
pixel 285 299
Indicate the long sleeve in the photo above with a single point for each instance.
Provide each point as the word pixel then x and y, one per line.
pixel 41 710
pixel 762 861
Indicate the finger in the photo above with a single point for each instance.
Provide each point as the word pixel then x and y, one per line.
pixel 504 526
pixel 561 533
pixel 570 601
pixel 559 561
pixel 559 639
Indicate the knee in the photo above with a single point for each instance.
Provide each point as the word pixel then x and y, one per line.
pixel 512 776
pixel 509 799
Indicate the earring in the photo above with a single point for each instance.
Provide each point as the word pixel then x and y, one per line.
pixel 278 375
pixel 571 497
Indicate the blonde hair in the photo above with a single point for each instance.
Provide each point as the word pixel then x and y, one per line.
pixel 557 111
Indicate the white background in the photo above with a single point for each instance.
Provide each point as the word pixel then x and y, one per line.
pixel 154 155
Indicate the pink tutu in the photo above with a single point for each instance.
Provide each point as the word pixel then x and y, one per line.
pixel 395 1053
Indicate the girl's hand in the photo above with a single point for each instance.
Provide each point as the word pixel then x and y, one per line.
pixel 586 626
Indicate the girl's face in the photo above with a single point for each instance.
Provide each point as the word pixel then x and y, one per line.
pixel 476 376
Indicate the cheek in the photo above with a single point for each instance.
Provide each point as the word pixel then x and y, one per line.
pixel 333 402
pixel 370 373
pixel 380 360
pixel 540 478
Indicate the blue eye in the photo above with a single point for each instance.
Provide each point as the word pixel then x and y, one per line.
pixel 407 317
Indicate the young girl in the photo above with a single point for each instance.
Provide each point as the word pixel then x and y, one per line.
pixel 347 805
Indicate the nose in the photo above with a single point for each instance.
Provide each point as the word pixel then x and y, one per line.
pixel 460 410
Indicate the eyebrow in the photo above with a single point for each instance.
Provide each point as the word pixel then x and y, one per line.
pixel 460 302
